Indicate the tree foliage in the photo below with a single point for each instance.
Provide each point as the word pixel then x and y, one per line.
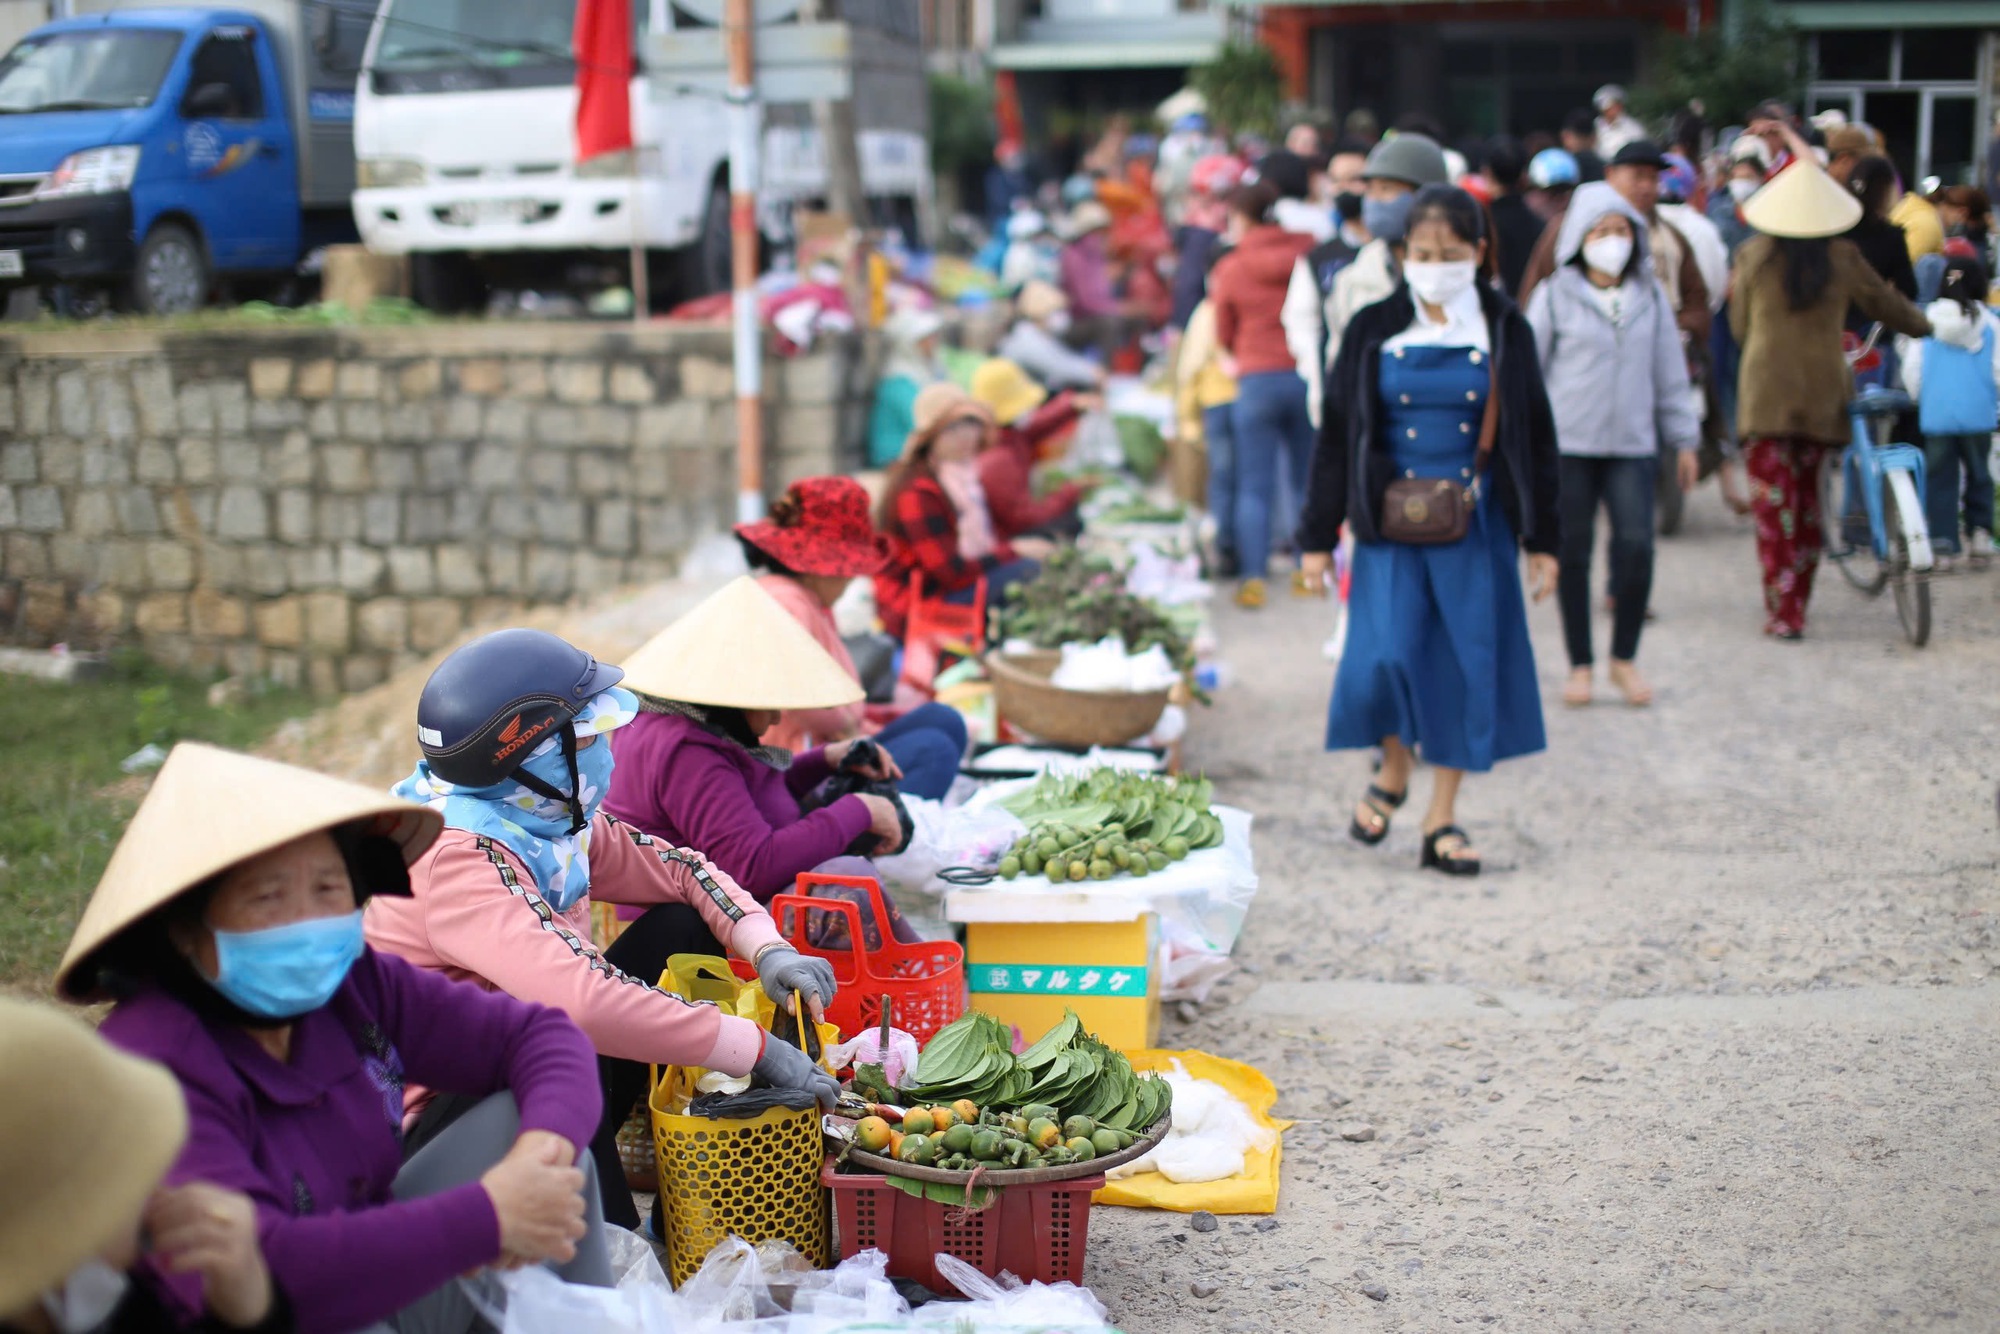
pixel 1728 69
pixel 962 134
pixel 1244 88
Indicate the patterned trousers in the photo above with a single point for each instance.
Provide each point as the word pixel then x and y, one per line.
pixel 1784 497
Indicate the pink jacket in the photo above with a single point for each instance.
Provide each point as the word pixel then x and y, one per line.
pixel 803 729
pixel 474 914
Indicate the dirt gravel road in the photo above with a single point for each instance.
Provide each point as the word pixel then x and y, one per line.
pixel 1712 1045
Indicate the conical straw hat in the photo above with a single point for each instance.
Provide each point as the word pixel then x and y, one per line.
pixel 86 1133
pixel 740 649
pixel 207 810
pixel 1802 202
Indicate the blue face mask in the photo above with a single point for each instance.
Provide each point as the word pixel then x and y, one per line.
pixel 283 972
pixel 1387 219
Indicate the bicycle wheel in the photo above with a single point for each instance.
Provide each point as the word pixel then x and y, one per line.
pixel 1913 589
pixel 1857 564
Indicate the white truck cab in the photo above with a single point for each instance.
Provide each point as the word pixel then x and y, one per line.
pixel 464 143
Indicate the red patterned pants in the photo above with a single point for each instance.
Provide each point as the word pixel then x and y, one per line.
pixel 1784 497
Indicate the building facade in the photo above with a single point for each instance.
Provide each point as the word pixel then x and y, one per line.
pixel 1923 72
pixel 1475 67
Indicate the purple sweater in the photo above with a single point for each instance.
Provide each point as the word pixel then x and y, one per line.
pixel 682 783
pixel 316 1142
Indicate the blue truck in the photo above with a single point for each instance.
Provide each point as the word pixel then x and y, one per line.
pixel 150 157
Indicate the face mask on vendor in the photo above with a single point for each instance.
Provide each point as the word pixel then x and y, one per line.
pixel 280 932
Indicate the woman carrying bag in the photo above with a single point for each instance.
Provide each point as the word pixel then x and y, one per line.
pixel 1438 450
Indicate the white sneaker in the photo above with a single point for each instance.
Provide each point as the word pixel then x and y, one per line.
pixel 1980 549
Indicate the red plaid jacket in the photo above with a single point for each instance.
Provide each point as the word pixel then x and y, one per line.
pixel 927 544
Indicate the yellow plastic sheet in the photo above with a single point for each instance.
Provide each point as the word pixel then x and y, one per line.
pixel 1255 1191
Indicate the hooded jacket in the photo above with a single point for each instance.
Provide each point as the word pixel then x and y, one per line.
pixel 1618 390
pixel 1955 373
pixel 1352 467
pixel 1248 289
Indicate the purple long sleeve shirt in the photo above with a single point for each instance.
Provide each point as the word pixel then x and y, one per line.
pixel 682 783
pixel 316 1142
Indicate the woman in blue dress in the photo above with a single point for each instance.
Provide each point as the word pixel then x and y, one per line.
pixel 1437 658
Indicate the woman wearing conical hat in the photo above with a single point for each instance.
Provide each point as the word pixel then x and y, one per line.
pixel 514 730
pixel 233 950
pixel 691 769
pixel 86 1135
pixel 1791 290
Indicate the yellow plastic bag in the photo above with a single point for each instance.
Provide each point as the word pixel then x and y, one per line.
pixel 1255 1191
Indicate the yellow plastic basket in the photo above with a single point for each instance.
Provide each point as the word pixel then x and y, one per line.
pixel 758 1179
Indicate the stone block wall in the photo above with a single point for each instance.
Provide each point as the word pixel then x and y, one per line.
pixel 320 506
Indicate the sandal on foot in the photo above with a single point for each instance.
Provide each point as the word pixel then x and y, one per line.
pixel 1383 803
pixel 1579 688
pixel 1451 860
pixel 1637 690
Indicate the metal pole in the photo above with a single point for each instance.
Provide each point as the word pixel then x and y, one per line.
pixel 745 122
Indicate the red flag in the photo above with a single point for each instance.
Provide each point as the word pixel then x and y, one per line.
pixel 603 42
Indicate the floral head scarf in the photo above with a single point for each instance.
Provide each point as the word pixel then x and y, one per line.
pixel 532 827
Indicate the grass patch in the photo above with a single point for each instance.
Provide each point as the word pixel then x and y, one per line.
pixel 65 801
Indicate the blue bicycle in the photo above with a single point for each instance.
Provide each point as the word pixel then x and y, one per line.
pixel 1872 512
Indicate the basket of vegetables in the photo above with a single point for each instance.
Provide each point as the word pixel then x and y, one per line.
pixel 990 1156
pixel 1080 598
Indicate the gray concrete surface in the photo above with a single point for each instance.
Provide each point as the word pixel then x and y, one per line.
pixel 1711 1045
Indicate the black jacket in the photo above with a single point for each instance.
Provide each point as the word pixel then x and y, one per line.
pixel 1351 470
pixel 1882 243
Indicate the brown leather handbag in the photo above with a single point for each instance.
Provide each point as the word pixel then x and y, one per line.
pixel 1436 511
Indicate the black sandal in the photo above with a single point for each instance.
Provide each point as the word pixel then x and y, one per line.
pixel 1449 860
pixel 1385 804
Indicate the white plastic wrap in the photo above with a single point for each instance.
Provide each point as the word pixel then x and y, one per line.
pixel 1210 1137
pixel 866 1050
pixel 1107 665
pixel 940 836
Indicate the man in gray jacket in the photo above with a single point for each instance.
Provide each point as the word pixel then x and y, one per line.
pixel 1617 380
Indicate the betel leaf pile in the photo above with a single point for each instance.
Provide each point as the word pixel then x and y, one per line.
pixel 1068 1070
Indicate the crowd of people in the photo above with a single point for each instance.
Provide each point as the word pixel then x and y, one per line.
pixel 360 1045
pixel 1649 308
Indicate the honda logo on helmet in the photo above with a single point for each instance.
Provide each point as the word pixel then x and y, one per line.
pixel 513 736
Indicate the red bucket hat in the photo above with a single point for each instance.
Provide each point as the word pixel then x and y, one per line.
pixel 821 526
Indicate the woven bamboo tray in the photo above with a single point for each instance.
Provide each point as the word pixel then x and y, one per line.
pixel 1015 1176
pixel 1028 701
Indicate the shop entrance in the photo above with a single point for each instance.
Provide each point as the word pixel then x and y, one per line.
pixel 1919 87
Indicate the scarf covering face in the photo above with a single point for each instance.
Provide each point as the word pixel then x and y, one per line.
pixel 529 825
pixel 960 481
pixel 718 722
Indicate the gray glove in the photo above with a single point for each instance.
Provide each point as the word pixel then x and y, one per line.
pixel 784 1066
pixel 783 971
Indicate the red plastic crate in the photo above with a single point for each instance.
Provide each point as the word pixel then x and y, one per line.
pixel 925 981
pixel 1036 1233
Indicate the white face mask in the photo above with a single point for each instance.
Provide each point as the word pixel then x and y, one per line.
pixel 87 1297
pixel 1608 254
pixel 1741 190
pixel 1440 284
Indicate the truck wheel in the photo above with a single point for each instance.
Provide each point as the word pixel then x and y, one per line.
pixel 446 282
pixel 705 264
pixel 170 276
